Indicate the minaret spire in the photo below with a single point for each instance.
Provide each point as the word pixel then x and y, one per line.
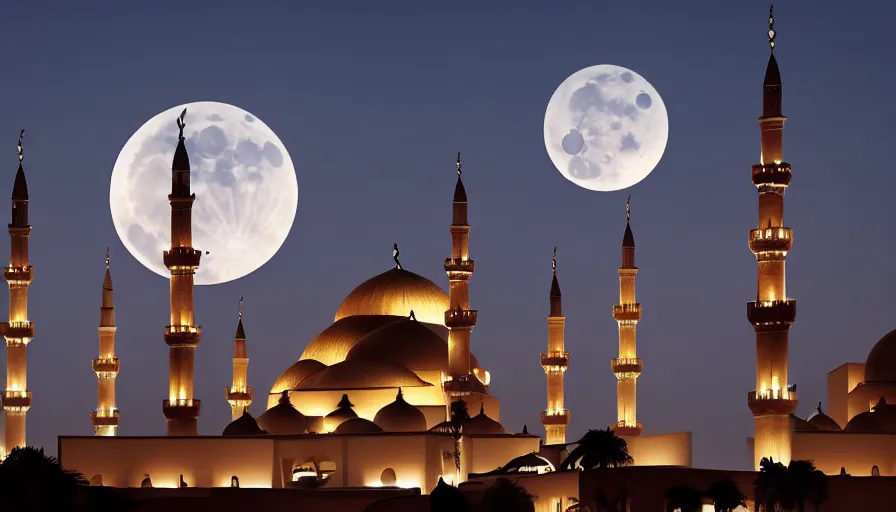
pixel 555 361
pixel 19 330
pixel 459 318
pixel 181 409
pixel 238 394
pixel 105 417
pixel 772 313
pixel 628 366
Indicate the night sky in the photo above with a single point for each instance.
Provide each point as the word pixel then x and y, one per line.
pixel 374 102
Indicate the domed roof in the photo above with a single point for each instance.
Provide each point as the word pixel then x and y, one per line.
pixel 400 416
pixel 407 343
pixel 333 343
pixel 395 292
pixel 295 374
pixel 822 421
pixel 361 374
pixel 245 425
pixel 801 425
pixel 283 419
pixel 881 419
pixel 357 426
pixel 482 424
pixel 881 363
pixel 343 412
pixel 529 463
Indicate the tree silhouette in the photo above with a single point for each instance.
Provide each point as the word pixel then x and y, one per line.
pixel 32 481
pixel 507 496
pixel 683 498
pixel 598 449
pixel 456 419
pixel 726 495
pixel 781 488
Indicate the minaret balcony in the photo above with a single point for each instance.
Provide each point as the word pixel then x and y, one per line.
pixel 464 385
pixel 765 402
pixel 244 395
pixel 16 401
pixel 626 366
pixel 104 417
pixel 105 365
pixel 771 240
pixel 772 173
pixel 771 314
pixel 621 428
pixel 182 335
pixel 555 417
pixel 181 408
pixel 555 359
pixel 460 318
pixel 19 275
pixel 182 258
pixel 627 312
pixel 18 331
pixel 459 267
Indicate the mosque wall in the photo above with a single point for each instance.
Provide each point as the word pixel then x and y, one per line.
pixel 484 453
pixel 841 381
pixel 671 449
pixel 857 453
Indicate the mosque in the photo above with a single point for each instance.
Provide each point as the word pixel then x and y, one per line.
pixel 368 403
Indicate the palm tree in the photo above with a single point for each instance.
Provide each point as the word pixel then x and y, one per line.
pixel 726 495
pixel 598 449
pixel 507 496
pixel 807 484
pixel 447 498
pixel 771 489
pixel 456 419
pixel 781 488
pixel 30 480
pixel 684 499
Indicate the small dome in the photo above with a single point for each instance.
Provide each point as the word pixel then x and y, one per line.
pixel 400 416
pixel 822 421
pixel 333 343
pixel 290 379
pixel 395 292
pixel 801 425
pixel 881 419
pixel 361 374
pixel 245 425
pixel 407 343
pixel 482 424
pixel 283 419
pixel 357 426
pixel 881 363
pixel 529 463
pixel 342 413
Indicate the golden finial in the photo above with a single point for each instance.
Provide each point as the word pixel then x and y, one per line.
pixel 628 209
pixel 21 148
pixel 107 258
pixel 395 254
pixel 181 124
pixel 241 308
pixel 554 261
pixel 771 27
pixel 459 170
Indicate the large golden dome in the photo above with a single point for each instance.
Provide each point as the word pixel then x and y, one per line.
pixel 881 363
pixel 331 346
pixel 396 292
pixel 361 374
pixel 406 343
pixel 290 379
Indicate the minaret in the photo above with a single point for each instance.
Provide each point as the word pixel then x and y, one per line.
pixel 555 361
pixel 627 313
pixel 105 417
pixel 238 394
pixel 19 330
pixel 459 319
pixel 773 400
pixel 182 335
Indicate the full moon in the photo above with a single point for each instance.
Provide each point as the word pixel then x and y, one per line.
pixel 605 128
pixel 243 178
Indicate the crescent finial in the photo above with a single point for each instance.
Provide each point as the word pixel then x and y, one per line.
pixel 107 258
pixel 181 124
pixel 628 209
pixel 554 261
pixel 20 147
pixel 459 169
pixel 241 308
pixel 771 27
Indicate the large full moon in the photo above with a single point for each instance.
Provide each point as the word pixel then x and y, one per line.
pixel 605 128
pixel 243 178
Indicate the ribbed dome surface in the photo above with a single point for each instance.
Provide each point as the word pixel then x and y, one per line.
pixel 400 416
pixel 880 366
pixel 295 374
pixel 361 374
pixel 283 419
pixel 881 419
pixel 333 343
pixel 822 421
pixel 407 343
pixel 245 425
pixel 357 426
pixel 396 292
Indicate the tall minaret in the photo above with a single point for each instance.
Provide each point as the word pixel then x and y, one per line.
pixel 238 394
pixel 19 330
pixel 772 314
pixel 627 313
pixel 182 335
pixel 555 361
pixel 105 417
pixel 459 319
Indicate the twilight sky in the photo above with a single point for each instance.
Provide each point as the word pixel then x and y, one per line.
pixel 373 103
